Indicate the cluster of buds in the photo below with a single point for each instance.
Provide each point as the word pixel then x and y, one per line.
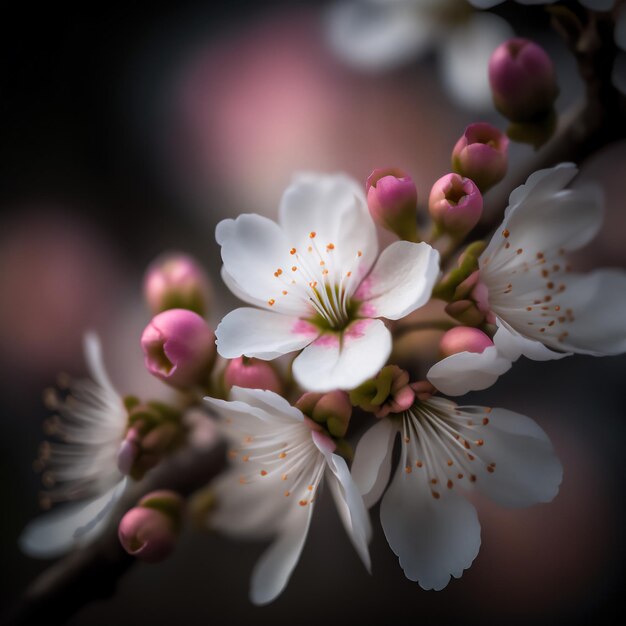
pixel 389 392
pixel 149 530
pixel 154 430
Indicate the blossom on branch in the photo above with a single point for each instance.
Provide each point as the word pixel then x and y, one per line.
pixel 445 450
pixel 280 459
pixel 318 284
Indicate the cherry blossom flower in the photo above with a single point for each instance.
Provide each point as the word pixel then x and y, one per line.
pixel 83 465
pixel 526 287
pixel 446 450
pixel 280 460
pixel 312 278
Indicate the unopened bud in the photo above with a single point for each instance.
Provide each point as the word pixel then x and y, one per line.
pixel 176 281
pixel 392 201
pixel 149 530
pixel 179 348
pixel 252 374
pixel 455 204
pixel 389 392
pixel 464 339
pixel 424 390
pixel 482 155
pixel 332 409
pixel 523 80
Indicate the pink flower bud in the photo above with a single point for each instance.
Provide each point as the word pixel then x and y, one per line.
pixel 389 392
pixel 464 339
pixel 523 80
pixel 149 530
pixel 176 281
pixel 179 348
pixel 455 204
pixel 481 154
pixel 392 201
pixel 333 409
pixel 252 374
pixel 424 390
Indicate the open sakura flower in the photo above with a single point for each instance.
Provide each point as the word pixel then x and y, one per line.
pixel 525 286
pixel 312 277
pixel 83 465
pixel 470 362
pixel 280 460
pixel 446 449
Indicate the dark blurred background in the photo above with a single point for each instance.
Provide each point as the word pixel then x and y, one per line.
pixel 126 130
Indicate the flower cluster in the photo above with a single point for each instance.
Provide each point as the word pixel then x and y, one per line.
pixel 279 379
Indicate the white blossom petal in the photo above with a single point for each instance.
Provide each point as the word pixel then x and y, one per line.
pixel 434 539
pixel 344 361
pixel 248 510
pixel 54 533
pixel 274 404
pixel 352 511
pixel 261 334
pixel 253 249
pixel 401 281
pixel 465 56
pixel 541 184
pixel 371 467
pixel 598 313
pixel 512 345
pixel 544 218
pixel 273 570
pixel 333 207
pixel 521 468
pixel 468 371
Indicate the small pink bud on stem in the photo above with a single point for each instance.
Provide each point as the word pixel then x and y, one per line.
pixel 523 80
pixel 392 201
pixel 176 281
pixel 455 205
pixel 464 339
pixel 482 155
pixel 252 374
pixel 179 348
pixel 149 530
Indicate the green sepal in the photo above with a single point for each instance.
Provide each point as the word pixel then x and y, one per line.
pixel 344 449
pixel 467 264
pixel 169 506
